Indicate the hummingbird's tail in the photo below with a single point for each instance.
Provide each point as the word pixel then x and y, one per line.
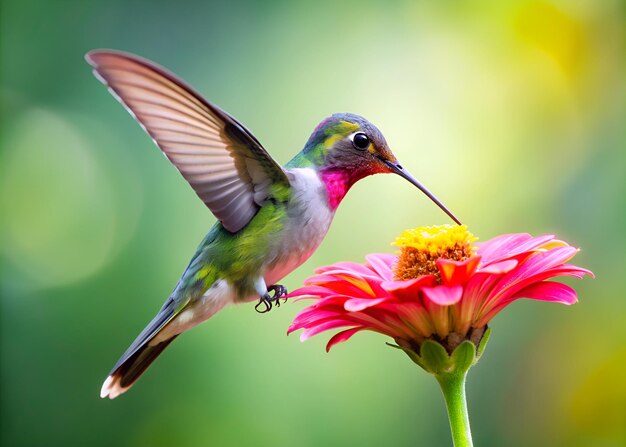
pixel 141 353
pixel 122 378
pixel 175 317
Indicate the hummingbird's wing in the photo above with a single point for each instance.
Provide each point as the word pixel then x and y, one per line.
pixel 222 161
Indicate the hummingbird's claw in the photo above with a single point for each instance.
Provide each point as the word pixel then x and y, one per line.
pixel 266 302
pixel 279 292
pixel 263 301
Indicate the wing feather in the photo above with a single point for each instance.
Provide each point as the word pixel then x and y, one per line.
pixel 222 161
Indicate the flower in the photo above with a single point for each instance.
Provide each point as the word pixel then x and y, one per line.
pixel 436 297
pixel 441 287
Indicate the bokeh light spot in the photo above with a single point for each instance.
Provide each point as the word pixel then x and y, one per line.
pixel 56 200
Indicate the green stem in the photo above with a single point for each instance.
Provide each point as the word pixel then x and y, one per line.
pixel 453 389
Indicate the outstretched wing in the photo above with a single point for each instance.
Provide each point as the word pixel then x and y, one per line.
pixel 222 161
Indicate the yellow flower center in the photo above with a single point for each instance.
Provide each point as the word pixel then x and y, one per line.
pixel 421 247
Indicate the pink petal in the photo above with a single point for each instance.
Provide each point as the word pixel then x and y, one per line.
pixel 409 289
pixel 310 292
pixel 457 272
pixel 533 243
pixel 480 287
pixel 443 295
pixel 474 294
pixel 575 271
pixel 510 245
pixel 415 314
pixel 359 304
pixel 544 291
pixel 350 268
pixel 360 283
pixel 342 336
pixel 331 300
pixel 331 324
pixel 349 281
pixel 382 264
pixel 503 294
pixel 338 266
pixel 501 246
pixel 533 270
pixel 548 291
pixel 500 267
pixel 310 317
pixel 342 284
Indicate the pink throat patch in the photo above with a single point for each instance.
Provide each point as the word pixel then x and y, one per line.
pixel 338 182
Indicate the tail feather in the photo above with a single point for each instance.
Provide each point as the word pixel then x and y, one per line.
pixel 141 353
pixel 177 315
pixel 122 378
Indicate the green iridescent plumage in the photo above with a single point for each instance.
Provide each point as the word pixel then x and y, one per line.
pixel 235 257
pixel 327 133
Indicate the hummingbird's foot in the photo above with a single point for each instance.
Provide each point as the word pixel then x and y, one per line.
pixel 280 291
pixel 266 302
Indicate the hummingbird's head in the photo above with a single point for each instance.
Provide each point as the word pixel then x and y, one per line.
pixel 346 148
pixel 350 143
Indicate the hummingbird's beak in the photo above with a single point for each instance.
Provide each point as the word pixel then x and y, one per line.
pixel 398 169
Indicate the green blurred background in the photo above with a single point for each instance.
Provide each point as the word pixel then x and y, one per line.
pixel 512 113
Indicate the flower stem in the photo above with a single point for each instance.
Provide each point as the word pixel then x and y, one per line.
pixel 453 389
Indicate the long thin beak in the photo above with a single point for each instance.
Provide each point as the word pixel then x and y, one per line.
pixel 398 169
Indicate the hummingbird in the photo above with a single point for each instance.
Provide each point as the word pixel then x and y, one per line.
pixel 270 218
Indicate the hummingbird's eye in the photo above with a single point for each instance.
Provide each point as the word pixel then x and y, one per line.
pixel 360 141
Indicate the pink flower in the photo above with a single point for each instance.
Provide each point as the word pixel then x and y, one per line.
pixel 440 287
